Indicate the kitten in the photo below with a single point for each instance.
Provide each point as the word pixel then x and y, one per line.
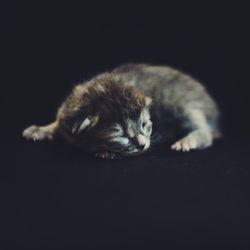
pixel 113 114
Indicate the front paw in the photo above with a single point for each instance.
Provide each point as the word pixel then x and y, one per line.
pixel 36 133
pixel 185 144
pixel 107 155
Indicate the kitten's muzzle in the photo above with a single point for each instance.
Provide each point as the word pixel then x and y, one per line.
pixel 141 141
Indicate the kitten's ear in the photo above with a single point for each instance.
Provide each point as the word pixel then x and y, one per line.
pixel 87 123
pixel 148 102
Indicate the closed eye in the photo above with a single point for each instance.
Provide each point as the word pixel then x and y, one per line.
pixel 146 126
pixel 116 130
pixel 143 124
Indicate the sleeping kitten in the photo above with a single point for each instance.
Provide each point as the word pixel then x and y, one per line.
pixel 113 113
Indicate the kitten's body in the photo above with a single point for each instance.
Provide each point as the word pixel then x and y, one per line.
pixel 93 112
pixel 176 97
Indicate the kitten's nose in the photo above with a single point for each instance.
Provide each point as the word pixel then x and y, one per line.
pixel 141 146
pixel 141 142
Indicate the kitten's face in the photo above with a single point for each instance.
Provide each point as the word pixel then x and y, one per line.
pixel 125 136
pixel 130 136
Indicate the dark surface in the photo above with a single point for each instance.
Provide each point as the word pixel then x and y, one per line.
pixel 57 197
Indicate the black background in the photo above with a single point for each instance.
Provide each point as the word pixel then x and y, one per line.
pixel 58 197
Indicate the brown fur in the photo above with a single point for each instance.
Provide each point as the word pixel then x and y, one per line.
pixel 106 93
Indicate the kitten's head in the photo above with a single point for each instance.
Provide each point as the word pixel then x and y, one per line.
pixel 106 115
